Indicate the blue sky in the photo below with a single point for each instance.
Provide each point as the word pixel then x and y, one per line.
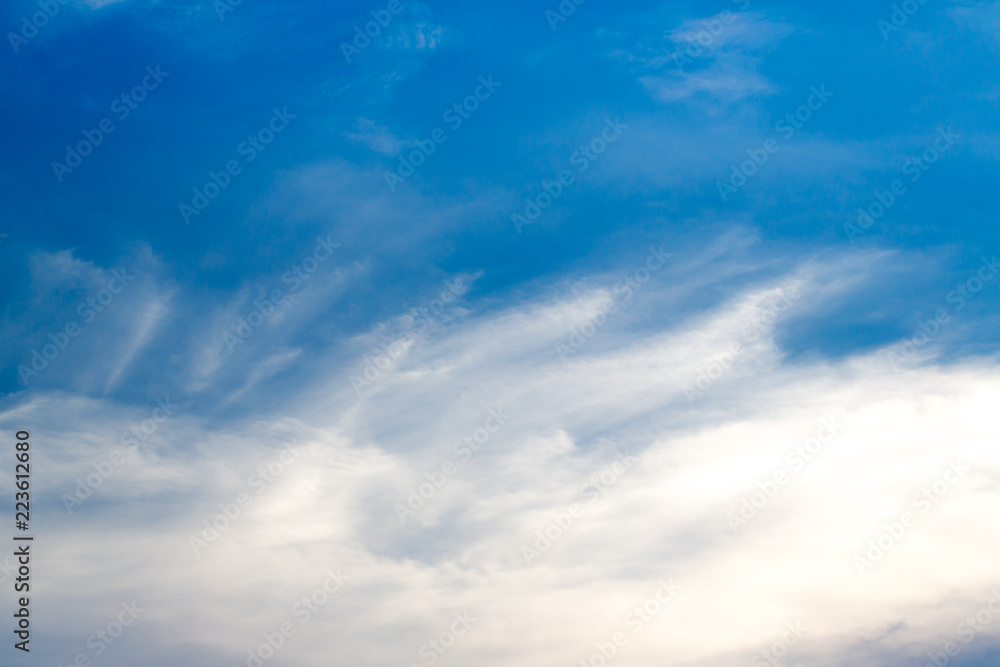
pixel 695 288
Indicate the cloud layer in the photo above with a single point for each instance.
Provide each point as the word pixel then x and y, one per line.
pixel 493 440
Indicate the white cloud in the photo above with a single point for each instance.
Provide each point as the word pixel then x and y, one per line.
pixel 717 57
pixel 728 84
pixel 663 517
pixel 76 307
pixel 978 16
pixel 418 35
pixel 376 137
pixel 98 4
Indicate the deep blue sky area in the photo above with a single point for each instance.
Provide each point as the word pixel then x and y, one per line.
pixel 353 121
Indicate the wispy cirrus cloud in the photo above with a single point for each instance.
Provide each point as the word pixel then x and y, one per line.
pixel 717 58
pixel 666 515
pixel 376 137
